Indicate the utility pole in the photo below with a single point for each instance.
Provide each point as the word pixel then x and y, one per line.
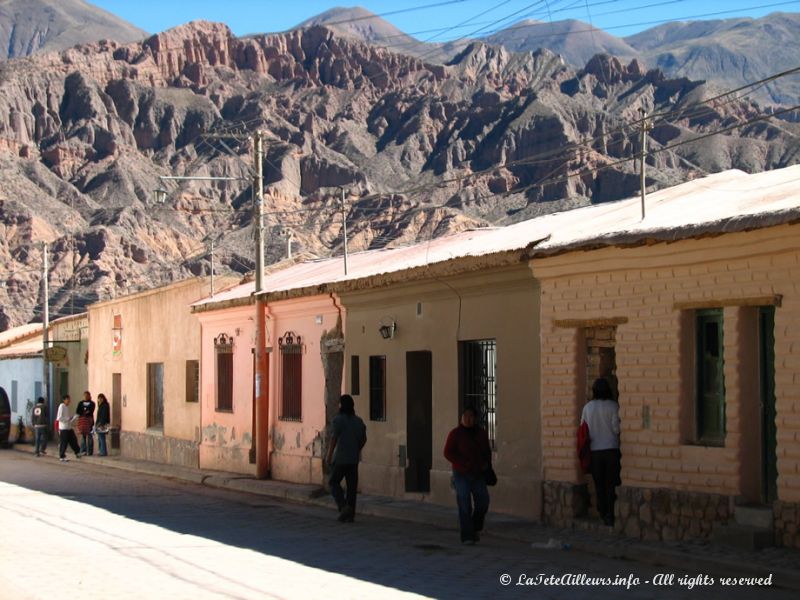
pixel 642 184
pixel 261 383
pixel 212 266
pixel 289 238
pixel 45 326
pixel 344 229
pixel 261 367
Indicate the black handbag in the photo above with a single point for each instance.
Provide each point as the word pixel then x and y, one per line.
pixel 490 476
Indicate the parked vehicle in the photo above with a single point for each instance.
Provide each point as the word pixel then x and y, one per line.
pixel 5 418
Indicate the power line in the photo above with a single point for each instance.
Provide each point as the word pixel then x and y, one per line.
pixel 393 12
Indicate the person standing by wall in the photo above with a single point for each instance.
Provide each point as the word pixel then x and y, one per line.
pixel 40 421
pixel 601 415
pixel 85 412
pixel 65 433
pixel 344 452
pixel 102 424
pixel 467 449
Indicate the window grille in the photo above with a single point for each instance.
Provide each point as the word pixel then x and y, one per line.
pixel 291 353
pixel 223 347
pixel 479 382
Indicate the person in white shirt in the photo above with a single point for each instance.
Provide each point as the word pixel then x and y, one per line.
pixel 66 435
pixel 601 415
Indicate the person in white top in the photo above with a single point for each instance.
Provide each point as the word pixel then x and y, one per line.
pixel 601 415
pixel 66 435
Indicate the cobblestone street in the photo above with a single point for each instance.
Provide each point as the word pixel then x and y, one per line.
pixel 114 534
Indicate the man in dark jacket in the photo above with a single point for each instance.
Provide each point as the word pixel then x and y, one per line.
pixel 467 449
pixel 344 452
pixel 40 423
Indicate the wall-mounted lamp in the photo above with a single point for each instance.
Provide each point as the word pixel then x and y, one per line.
pixel 387 329
pixel 160 195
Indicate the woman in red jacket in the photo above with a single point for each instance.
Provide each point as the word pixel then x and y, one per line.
pixel 467 449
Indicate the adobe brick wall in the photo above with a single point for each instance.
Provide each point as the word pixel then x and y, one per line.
pixel 648 292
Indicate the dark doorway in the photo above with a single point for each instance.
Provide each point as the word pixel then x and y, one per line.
pixel 769 437
pixel 419 420
pixel 63 383
pixel 116 409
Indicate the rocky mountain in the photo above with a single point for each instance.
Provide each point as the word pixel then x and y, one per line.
pixel 423 149
pixel 28 26
pixel 727 53
pixel 575 40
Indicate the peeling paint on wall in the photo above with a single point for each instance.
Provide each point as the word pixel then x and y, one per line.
pixel 297 440
pixel 278 441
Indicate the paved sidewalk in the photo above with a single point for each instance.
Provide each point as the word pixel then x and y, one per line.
pixel 691 556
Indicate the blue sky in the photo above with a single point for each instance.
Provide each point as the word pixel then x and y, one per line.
pixel 618 17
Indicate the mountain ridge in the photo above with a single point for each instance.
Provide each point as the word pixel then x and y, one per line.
pixel 29 26
pixel 85 133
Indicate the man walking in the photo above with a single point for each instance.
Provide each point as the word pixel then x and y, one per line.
pixel 65 433
pixel 344 452
pixel 40 424
pixel 467 449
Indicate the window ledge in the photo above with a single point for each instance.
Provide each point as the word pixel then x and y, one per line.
pixel 704 444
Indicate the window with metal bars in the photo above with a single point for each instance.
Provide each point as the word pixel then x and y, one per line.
pixel 377 388
pixel 223 346
pixel 479 382
pixel 291 353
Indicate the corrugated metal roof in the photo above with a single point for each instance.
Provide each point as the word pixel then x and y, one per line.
pixel 727 201
pixel 9 336
pixel 23 349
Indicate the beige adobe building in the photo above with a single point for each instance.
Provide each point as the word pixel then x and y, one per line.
pixel 144 355
pixel 693 314
pixel 458 336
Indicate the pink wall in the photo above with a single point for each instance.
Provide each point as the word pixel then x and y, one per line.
pixel 297 445
pixel 226 437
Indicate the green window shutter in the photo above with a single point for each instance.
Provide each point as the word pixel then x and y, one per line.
pixel 710 377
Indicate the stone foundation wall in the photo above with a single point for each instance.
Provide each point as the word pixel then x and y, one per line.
pixel 663 514
pixel 643 513
pixel 158 448
pixel 564 502
pixel 660 514
pixel 787 524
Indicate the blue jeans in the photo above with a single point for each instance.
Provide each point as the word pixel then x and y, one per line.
pixel 40 439
pixel 87 443
pixel 471 489
pixel 101 444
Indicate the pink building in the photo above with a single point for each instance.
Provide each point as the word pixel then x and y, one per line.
pixel 303 335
